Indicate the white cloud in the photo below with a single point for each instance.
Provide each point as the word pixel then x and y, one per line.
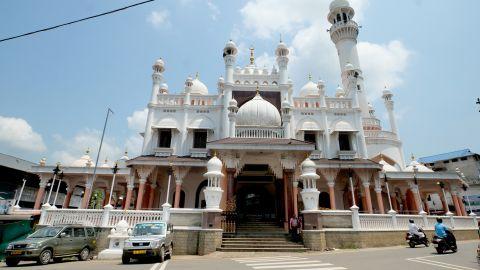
pixel 16 133
pixel 159 18
pixel 312 51
pixel 73 148
pixel 138 120
pixel 214 11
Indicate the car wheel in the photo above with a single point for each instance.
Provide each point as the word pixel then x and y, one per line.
pixel 84 254
pixel 170 252
pixel 125 260
pixel 45 257
pixel 57 260
pixel 161 254
pixel 12 262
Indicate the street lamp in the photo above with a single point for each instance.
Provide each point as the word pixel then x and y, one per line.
pixel 166 206
pixel 60 177
pixel 351 185
pixel 169 172
pixel 56 170
pixel 442 186
pixel 419 198
pixel 114 170
pixel 385 179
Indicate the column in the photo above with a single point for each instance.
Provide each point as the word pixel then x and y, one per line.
pixel 87 192
pixel 106 191
pixel 416 198
pixel 68 196
pixel 462 205
pixel 295 198
pixel 128 197
pixel 230 183
pixel 458 210
pixel 427 207
pixel 368 198
pixel 393 197
pixel 378 192
pixel 287 190
pixel 151 197
pixel 404 203
pixel 444 203
pixel 41 192
pixel 178 193
pixel 331 193
pixel 141 191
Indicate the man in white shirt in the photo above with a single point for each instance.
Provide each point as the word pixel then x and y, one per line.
pixel 413 229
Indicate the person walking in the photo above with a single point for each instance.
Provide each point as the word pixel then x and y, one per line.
pixel 293 227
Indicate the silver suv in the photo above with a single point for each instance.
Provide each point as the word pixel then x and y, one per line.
pixel 149 240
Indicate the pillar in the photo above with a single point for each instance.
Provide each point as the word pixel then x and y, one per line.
pixel 444 203
pixel 230 183
pixel 87 192
pixel 151 196
pixel 404 203
pixel 393 197
pixel 178 193
pixel 378 192
pixel 41 192
pixel 417 200
pixel 141 191
pixel 425 204
pixel 106 191
pixel 295 198
pixel 128 197
pixel 68 196
pixel 287 190
pixel 462 205
pixel 331 193
pixel 368 198
pixel 458 210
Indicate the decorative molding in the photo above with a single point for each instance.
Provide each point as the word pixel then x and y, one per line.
pixel 144 172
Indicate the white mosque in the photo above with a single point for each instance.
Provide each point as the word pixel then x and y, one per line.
pixel 258 132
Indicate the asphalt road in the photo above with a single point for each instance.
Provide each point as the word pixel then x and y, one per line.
pixel 394 258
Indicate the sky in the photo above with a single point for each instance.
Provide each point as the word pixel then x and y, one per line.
pixel 56 86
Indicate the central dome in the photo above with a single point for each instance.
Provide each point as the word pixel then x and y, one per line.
pixel 258 112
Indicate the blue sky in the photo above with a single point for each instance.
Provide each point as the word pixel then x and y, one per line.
pixel 55 86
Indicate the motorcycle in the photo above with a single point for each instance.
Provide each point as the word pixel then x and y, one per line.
pixel 413 239
pixel 444 244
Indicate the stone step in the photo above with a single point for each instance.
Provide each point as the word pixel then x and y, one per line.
pixel 255 239
pixel 255 244
pixel 273 242
pixel 263 249
pixel 261 234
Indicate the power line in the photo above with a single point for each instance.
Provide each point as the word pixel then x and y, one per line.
pixel 76 21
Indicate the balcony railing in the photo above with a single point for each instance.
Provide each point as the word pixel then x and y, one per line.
pixel 178 100
pixel 372 122
pixel 381 134
pixel 346 155
pixel 307 103
pixel 316 154
pixel 339 103
pixel 341 24
pixel 259 132
pixel 163 152
pixel 198 152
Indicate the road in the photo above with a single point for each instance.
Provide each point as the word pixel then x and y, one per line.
pixel 392 258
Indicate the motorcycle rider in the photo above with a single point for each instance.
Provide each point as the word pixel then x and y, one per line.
pixel 441 232
pixel 413 229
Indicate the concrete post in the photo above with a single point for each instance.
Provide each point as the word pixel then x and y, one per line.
pixel 393 213
pixel 355 218
pixel 106 215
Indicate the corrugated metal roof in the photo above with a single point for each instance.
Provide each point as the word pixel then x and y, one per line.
pixel 446 156
pixel 15 163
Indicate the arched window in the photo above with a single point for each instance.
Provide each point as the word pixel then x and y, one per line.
pixel 306 104
pixel 199 196
pixel 182 199
pixel 246 82
pixel 265 83
pixel 324 200
pixel 274 83
pixel 339 18
pixel 344 17
pixel 237 82
pixel 192 102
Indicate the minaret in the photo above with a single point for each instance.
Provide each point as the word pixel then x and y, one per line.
pixel 282 61
pixel 344 33
pixel 387 98
pixel 157 78
pixel 229 57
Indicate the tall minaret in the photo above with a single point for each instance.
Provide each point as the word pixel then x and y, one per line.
pixel 344 33
pixel 387 98
pixel 157 78
pixel 229 56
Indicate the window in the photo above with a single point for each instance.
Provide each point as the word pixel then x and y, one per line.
pixel 68 232
pixel 79 232
pixel 463 158
pixel 455 160
pixel 90 231
pixel 310 137
pixel 164 138
pixel 446 161
pixel 200 139
pixel 344 17
pixel 344 142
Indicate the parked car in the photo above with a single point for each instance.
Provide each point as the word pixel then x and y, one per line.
pixel 149 240
pixel 52 242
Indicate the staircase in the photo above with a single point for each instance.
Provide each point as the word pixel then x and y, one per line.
pixel 256 235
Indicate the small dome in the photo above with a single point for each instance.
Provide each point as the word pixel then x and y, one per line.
pixel 214 165
pixel 386 166
pixel 339 93
pixel 163 86
pixel 282 49
pixel 159 66
pixel 123 159
pixel 198 87
pixel 232 103
pixel 289 81
pixel 349 67
pixel 105 164
pixel 84 161
pixel 309 169
pixel 309 89
pixel 258 112
pixel 230 48
pixel 339 4
pixel 285 104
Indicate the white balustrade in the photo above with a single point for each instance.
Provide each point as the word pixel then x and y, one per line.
pixel 133 216
pixel 371 122
pixel 307 103
pixel 338 103
pixel 341 24
pixel 170 100
pixel 381 134
pixel 259 132
pixel 202 100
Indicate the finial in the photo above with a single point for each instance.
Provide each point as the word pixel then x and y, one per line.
pixel 87 151
pixel 196 75
pixel 214 153
pixel 252 56
pixel 257 91
pixel 412 157
pixel 309 76
pixel 280 37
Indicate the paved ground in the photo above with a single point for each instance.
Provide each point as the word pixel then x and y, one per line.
pixel 394 258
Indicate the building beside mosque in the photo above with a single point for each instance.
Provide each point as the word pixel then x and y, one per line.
pixel 261 127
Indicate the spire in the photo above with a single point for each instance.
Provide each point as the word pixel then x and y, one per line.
pixel 280 37
pixel 196 75
pixel 252 56
pixel 257 91
pixel 309 76
pixel 412 157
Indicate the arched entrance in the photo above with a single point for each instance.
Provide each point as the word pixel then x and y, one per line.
pixel 254 201
pixel 324 200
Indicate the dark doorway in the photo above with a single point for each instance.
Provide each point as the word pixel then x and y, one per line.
pixel 324 200
pixel 256 201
